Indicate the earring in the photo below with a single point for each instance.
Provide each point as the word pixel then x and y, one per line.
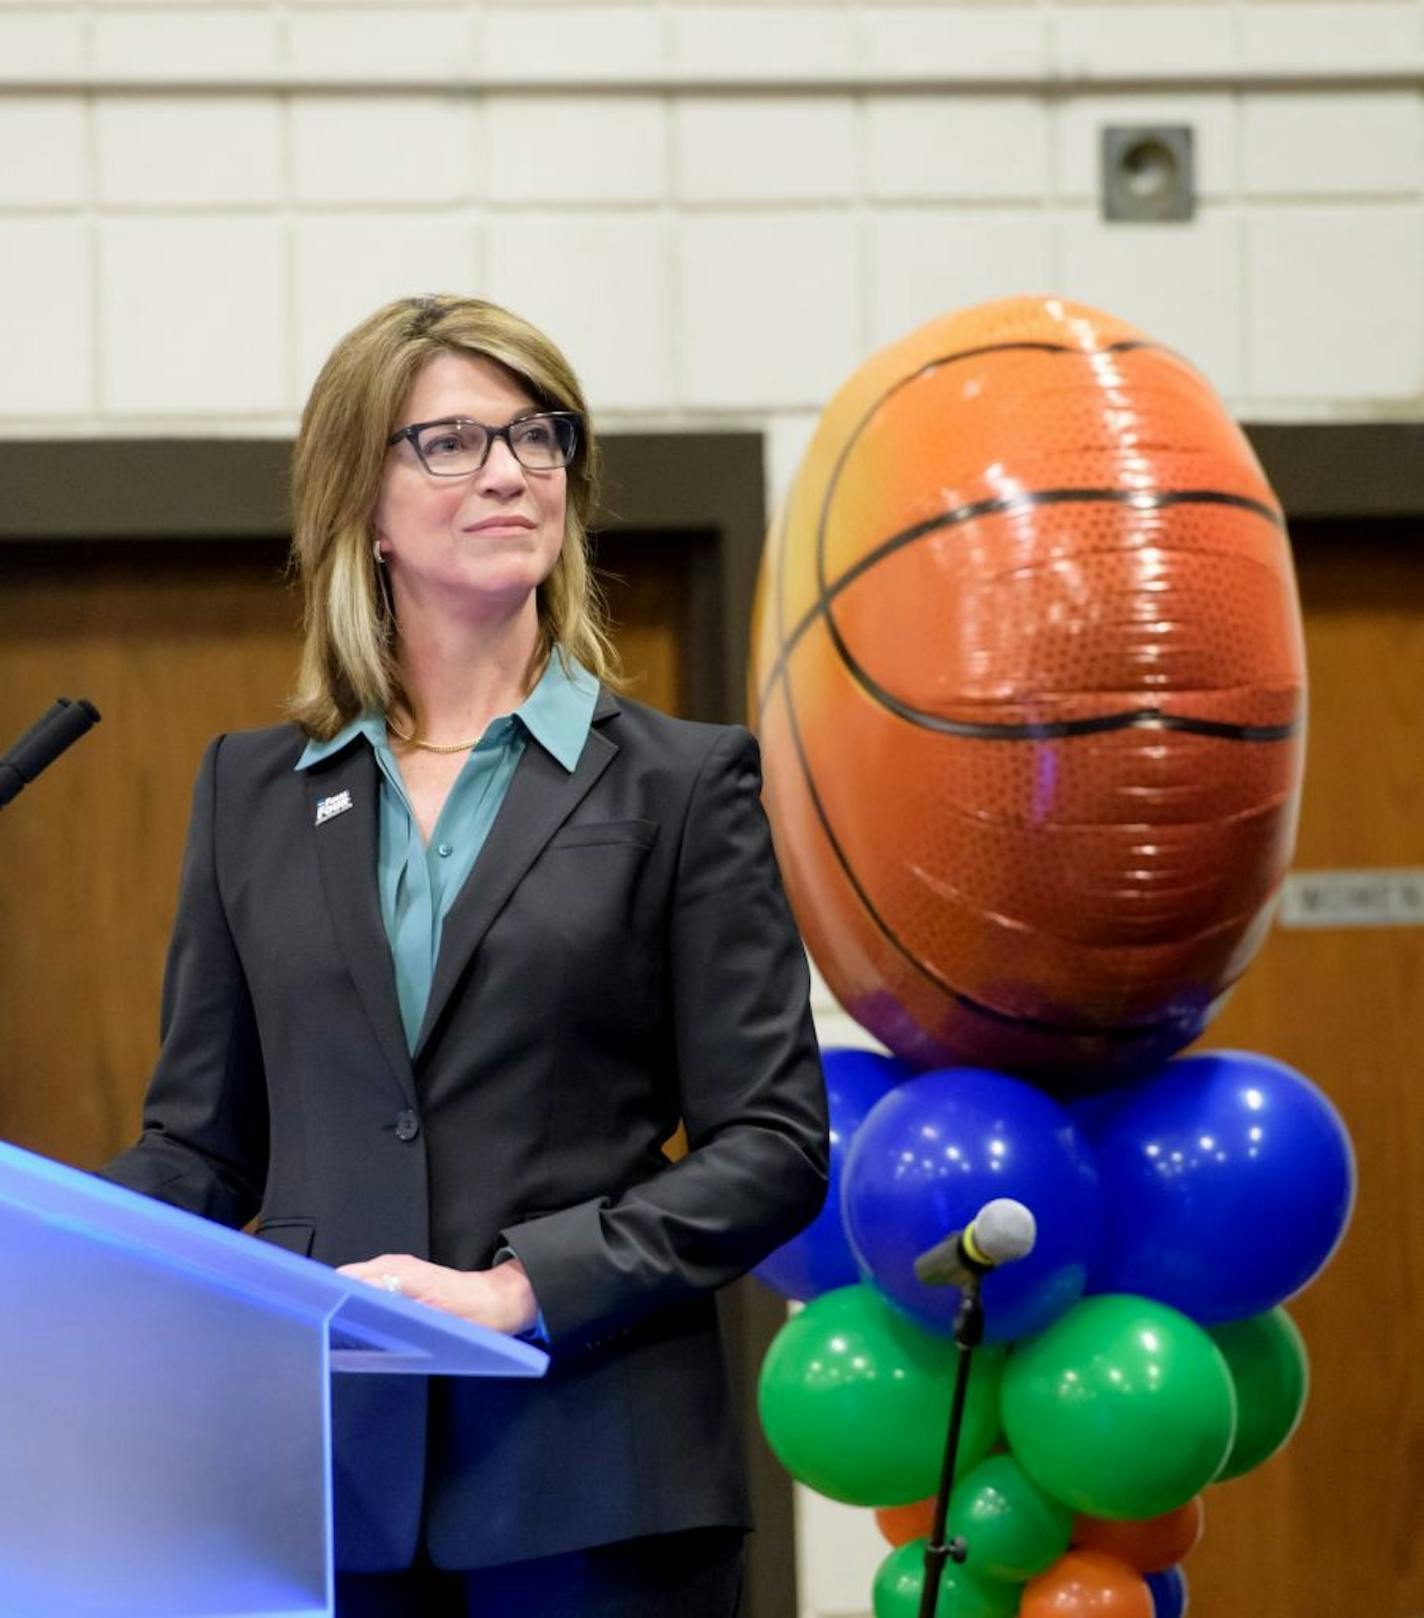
pixel 378 553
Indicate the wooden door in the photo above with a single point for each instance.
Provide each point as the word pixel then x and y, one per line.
pixel 173 641
pixel 1331 1528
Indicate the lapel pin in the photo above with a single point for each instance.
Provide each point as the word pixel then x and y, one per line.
pixel 328 808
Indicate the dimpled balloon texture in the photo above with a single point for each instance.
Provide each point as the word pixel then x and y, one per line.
pixel 932 1153
pixel 1268 1364
pixel 854 1400
pixel 901 1579
pixel 1123 1408
pixel 1028 673
pixel 1228 1180
pixel 819 1259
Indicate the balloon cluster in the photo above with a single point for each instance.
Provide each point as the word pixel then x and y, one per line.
pixel 1028 672
pixel 1139 1354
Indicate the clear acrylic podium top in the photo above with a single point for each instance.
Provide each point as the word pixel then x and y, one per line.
pixel 165 1403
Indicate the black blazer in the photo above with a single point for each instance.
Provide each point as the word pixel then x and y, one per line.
pixel 621 957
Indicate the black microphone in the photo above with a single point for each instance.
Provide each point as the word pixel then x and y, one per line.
pixel 1000 1232
pixel 42 743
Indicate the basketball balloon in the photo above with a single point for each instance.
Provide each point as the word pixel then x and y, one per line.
pixel 1028 673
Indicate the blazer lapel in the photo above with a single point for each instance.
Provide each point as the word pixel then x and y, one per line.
pixel 540 799
pixel 346 853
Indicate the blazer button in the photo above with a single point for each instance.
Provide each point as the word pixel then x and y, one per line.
pixel 407 1125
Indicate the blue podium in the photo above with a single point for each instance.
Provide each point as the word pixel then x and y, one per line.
pixel 165 1405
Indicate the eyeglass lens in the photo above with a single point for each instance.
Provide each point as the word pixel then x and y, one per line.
pixel 538 442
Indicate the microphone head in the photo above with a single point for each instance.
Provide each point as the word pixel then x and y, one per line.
pixel 1003 1231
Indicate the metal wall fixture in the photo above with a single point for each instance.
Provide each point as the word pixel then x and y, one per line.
pixel 1148 174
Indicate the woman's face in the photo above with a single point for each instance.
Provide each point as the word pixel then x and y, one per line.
pixel 478 544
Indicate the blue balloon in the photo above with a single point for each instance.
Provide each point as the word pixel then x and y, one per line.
pixel 1228 1180
pixel 1169 1592
pixel 819 1259
pixel 932 1153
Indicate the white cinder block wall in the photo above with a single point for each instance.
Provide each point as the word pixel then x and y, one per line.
pixel 718 209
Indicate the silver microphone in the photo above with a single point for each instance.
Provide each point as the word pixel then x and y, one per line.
pixel 1003 1230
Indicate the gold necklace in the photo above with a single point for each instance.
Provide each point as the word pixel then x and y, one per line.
pixel 429 747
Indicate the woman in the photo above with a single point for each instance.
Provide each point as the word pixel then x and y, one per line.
pixel 453 956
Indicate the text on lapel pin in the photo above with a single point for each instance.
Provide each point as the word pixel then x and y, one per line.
pixel 337 804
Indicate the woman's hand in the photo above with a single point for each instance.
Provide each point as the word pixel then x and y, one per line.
pixel 501 1298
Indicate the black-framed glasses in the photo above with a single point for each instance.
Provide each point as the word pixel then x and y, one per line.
pixel 454 447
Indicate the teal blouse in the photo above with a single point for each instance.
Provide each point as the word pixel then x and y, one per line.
pixel 419 881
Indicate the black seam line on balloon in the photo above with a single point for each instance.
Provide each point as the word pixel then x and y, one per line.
pixel 1049 730
pixel 1115 1033
pixel 1112 1035
pixel 1139 718
pixel 998 505
pixel 1124 345
pixel 1054 730
pixel 876 919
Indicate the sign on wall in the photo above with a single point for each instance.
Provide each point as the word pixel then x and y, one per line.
pixel 1369 898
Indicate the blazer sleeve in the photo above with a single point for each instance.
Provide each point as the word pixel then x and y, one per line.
pixel 749 1074
pixel 203 1145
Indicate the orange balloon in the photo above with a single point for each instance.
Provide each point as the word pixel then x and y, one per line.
pixel 1087 1584
pixel 1150 1544
pixel 901 1524
pixel 1028 672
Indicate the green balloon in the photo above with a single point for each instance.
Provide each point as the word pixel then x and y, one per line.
pixel 1268 1363
pixel 1122 1408
pixel 854 1400
pixel 901 1577
pixel 1012 1528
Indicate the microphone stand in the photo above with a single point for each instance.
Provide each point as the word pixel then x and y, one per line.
pixel 968 1334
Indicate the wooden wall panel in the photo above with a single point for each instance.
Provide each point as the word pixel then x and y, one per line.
pixel 172 643
pixel 647 583
pixel 1331 1527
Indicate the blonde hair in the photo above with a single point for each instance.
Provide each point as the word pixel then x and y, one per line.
pixel 348 664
